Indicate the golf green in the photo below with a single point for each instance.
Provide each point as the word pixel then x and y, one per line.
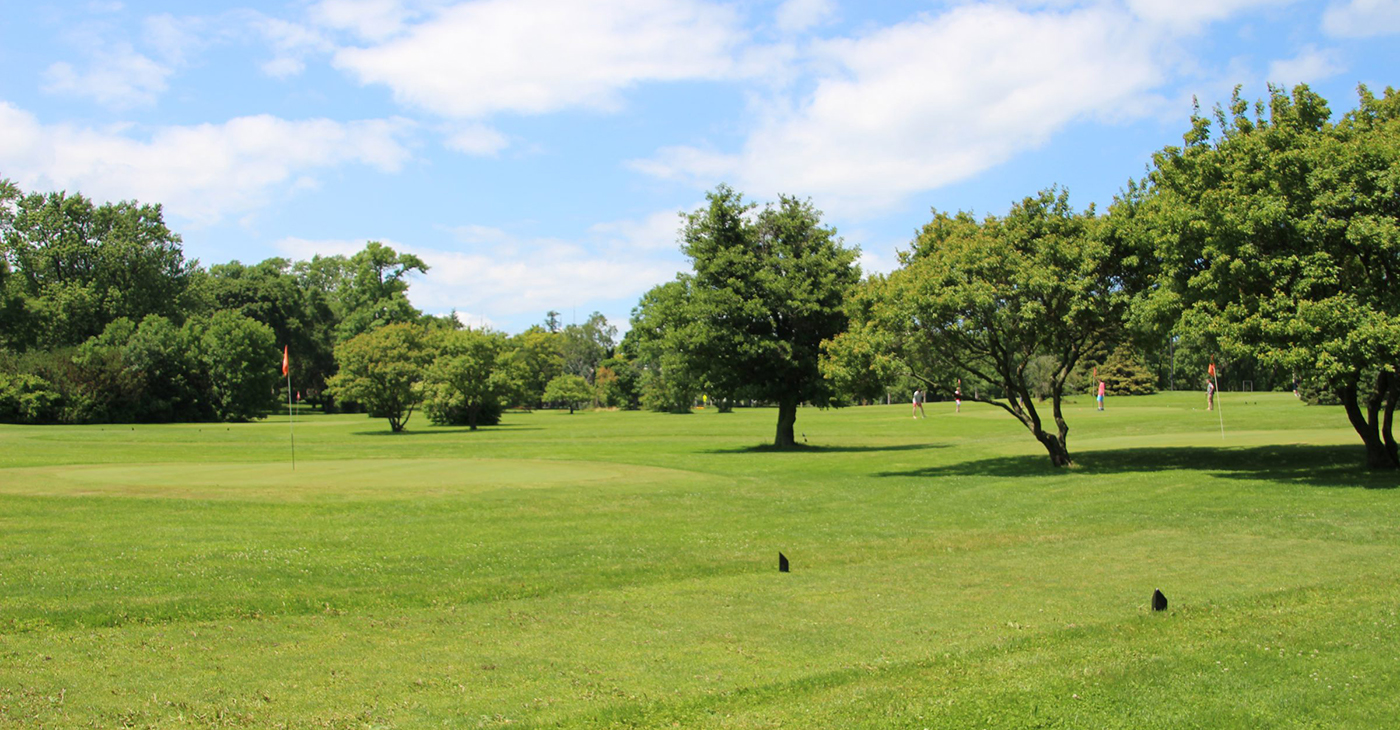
pixel 328 479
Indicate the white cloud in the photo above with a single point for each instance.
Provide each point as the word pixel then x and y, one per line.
pixel 115 76
pixel 173 38
pixel 373 20
pixel 476 321
pixel 1189 13
pixel 1310 65
pixel 1362 18
pixel 795 16
pixel 503 276
pixel 290 42
pixel 538 56
pixel 934 100
pixel 659 231
pixel 200 173
pixel 477 139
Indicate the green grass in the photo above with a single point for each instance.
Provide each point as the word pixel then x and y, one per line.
pixel 619 570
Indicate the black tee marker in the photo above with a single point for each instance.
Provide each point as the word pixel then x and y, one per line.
pixel 782 563
pixel 1159 601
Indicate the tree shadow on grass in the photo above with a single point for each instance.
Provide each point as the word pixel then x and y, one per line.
pixel 444 431
pixel 810 449
pixel 1319 466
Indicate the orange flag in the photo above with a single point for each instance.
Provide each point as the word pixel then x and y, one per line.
pixel 285 362
pixel 1212 367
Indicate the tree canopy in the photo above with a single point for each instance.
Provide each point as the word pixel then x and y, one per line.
pixel 767 289
pixel 984 299
pixel 469 376
pixel 383 370
pixel 1278 235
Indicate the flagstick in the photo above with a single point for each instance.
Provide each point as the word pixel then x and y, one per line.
pixel 291 420
pixel 1218 409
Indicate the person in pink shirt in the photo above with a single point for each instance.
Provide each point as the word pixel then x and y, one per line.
pixel 1101 392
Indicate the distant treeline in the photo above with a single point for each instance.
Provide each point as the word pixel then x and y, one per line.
pixel 103 319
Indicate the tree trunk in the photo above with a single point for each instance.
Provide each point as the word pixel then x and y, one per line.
pixel 787 416
pixel 1062 459
pixel 472 412
pixel 1366 425
pixel 1059 455
pixel 1387 425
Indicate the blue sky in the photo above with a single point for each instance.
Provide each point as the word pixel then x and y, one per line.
pixel 536 153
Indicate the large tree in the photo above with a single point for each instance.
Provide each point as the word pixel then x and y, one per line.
pixel 78 266
pixel 300 314
pixel 585 345
pixel 240 359
pixel 375 290
pixel 992 301
pixel 1279 238
pixel 536 357
pixel 657 343
pixel 767 289
pixel 383 370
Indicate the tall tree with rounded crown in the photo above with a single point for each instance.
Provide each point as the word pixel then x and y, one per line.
pixel 768 288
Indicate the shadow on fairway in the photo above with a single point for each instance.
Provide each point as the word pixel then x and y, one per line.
pixel 1319 466
pixel 444 431
pixel 810 449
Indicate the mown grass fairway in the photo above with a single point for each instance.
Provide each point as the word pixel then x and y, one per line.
pixel 620 569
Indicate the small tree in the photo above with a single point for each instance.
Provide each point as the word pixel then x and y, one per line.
pixel 382 370
pixel 468 377
pixel 1124 374
pixel 571 389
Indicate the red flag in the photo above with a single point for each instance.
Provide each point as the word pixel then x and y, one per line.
pixel 298 396
pixel 1212 367
pixel 285 363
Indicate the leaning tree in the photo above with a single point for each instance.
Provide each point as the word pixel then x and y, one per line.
pixel 994 300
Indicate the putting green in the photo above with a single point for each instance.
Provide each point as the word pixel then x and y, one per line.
pixel 334 480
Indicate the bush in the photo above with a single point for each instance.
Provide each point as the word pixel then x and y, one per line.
pixel 26 398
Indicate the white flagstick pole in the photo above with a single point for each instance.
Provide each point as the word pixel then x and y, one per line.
pixel 1218 409
pixel 291 419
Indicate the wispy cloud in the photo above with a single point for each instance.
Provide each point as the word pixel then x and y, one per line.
pixel 931 101
pixel 201 173
pixel 1311 65
pixel 114 75
pixel 1362 18
pixel 537 56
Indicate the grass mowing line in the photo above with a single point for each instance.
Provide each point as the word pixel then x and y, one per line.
pixel 750 630
pixel 1004 684
pixel 325 479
